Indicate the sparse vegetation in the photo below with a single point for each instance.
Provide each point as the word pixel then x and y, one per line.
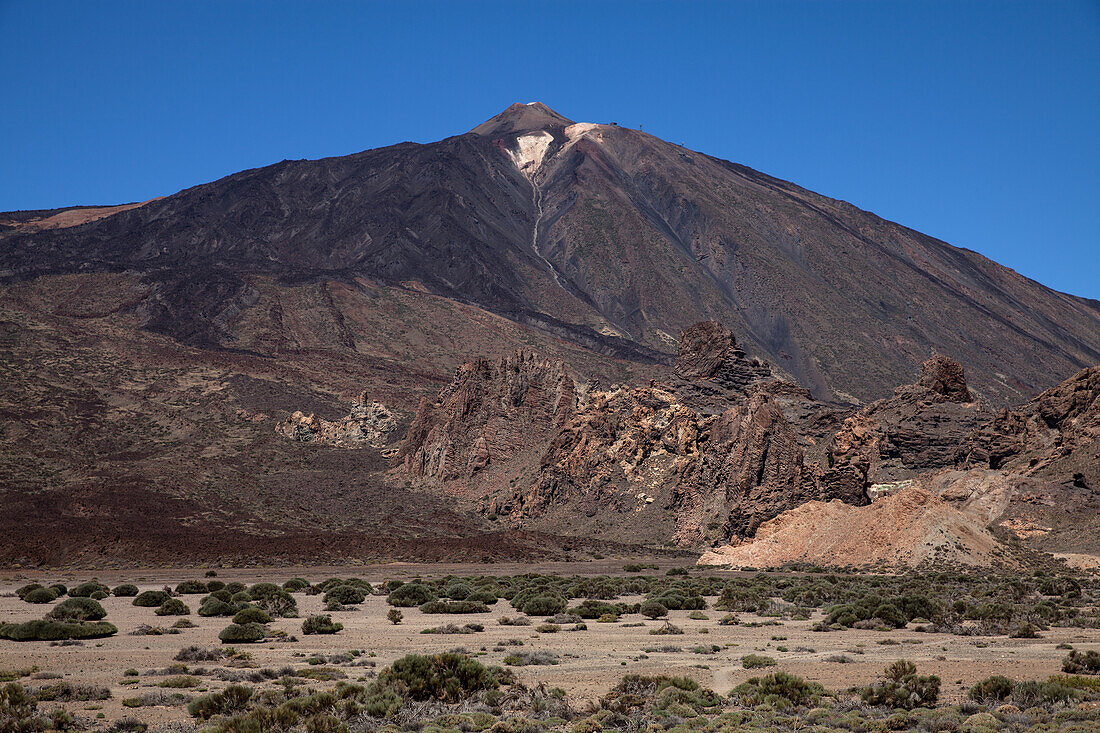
pixel 242 633
pixel 321 625
pixel 151 598
pixel 756 661
pixel 51 630
pixel 903 688
pixel 78 609
pixel 173 607
pixel 1077 662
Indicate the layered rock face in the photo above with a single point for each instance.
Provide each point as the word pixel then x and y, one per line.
pixel 710 358
pixel 1056 435
pixel 491 413
pixel 370 423
pixel 707 456
pixel 724 445
pixel 919 429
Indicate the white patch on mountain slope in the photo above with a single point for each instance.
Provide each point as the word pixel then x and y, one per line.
pixel 531 149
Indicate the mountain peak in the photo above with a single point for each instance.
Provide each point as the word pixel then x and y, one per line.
pixel 521 117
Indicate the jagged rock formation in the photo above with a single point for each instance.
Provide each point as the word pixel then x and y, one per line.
pixel 1055 435
pixel 1037 465
pixel 492 413
pixel 919 429
pixel 723 446
pixel 707 456
pixel 711 370
pixel 370 423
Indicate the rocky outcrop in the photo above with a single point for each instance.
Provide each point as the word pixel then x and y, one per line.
pixel 712 448
pixel 491 413
pixel 751 470
pixel 712 371
pixel 723 446
pixel 369 424
pixel 919 429
pixel 1056 435
pixel 944 376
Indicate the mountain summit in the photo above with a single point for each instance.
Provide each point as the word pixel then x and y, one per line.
pixel 522 118
pixel 604 236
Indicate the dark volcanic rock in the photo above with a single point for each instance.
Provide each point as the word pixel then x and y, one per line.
pixel 600 234
pixel 493 412
pixel 945 376
pixel 1055 436
pixel 750 470
pixel 712 370
pixel 918 429
pixel 712 451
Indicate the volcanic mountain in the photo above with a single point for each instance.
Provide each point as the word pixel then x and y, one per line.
pixel 606 236
pixel 263 365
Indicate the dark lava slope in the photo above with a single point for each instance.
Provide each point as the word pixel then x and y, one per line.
pixel 606 236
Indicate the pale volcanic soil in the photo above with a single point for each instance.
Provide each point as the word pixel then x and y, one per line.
pixel 591 661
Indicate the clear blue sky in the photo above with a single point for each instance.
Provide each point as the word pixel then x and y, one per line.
pixel 978 123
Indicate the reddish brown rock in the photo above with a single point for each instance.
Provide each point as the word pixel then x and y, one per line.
pixel 751 470
pixel 370 423
pixel 945 376
pixel 712 371
pixel 919 429
pixel 491 413
pixel 1055 436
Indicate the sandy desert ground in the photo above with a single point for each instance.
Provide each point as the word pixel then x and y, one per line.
pixel 591 661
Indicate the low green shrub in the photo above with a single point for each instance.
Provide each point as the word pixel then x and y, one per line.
pixel 242 633
pixel 78 609
pixel 410 594
pixel 41 595
pixel 216 607
pixel 481 595
pixel 543 605
pixel 173 607
pixel 126 590
pixel 1077 662
pixel 453 607
pixel 25 590
pixel 653 609
pixel 448 677
pixel 232 699
pixel 85 590
pixel 591 608
pixel 191 587
pixel 320 625
pixel 1034 693
pixel 252 615
pixel 150 598
pixel 995 688
pixel 756 661
pixel 903 688
pixel 51 630
pixel 458 591
pixel 776 687
pixel 347 595
pixel 296 585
